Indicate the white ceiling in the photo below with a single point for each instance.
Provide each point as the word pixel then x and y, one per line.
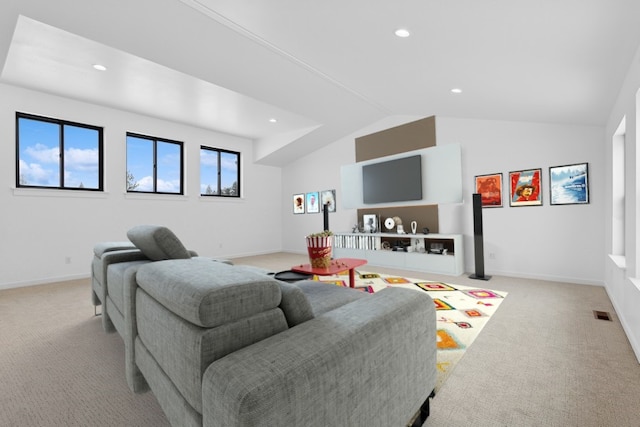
pixel 324 69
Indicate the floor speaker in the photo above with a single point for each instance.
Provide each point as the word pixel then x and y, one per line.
pixel 478 242
pixel 325 214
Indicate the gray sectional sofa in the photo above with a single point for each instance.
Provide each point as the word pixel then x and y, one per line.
pixel 224 345
pixel 147 243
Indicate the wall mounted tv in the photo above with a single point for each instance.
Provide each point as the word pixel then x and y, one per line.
pixel 397 180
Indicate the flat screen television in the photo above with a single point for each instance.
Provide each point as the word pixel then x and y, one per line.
pixel 398 180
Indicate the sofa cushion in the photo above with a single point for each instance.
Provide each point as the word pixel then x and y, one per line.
pixel 208 293
pixel 324 297
pixel 157 242
pixel 100 248
pixel 102 263
pixel 115 279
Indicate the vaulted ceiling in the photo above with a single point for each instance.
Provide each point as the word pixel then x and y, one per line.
pixel 324 69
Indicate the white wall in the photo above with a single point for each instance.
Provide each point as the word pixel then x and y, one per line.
pixel 561 243
pixel 39 229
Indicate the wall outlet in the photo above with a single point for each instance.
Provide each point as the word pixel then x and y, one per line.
pixel 492 255
pixel 67 260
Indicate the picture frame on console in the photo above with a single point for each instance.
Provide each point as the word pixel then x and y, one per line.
pixel 313 202
pixel 298 203
pixel 569 184
pixel 490 188
pixel 525 187
pixel 370 223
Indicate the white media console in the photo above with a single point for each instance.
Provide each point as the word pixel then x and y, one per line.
pixel 378 249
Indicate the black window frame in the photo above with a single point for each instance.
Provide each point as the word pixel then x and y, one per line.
pixel 154 140
pixel 218 191
pixel 61 123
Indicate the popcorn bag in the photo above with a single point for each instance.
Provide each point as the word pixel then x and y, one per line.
pixel 319 249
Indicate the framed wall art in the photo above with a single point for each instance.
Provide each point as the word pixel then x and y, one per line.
pixel 328 197
pixel 569 184
pixel 313 204
pixel 525 188
pixel 490 189
pixel 298 203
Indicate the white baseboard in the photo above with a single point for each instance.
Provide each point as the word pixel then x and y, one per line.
pixel 44 281
pixel 550 278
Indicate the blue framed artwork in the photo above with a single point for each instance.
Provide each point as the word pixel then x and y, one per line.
pixel 313 204
pixel 569 184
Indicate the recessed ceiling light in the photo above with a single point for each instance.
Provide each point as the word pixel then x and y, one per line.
pixel 456 90
pixel 99 67
pixel 273 120
pixel 402 32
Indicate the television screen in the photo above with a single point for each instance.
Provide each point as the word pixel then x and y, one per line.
pixel 398 180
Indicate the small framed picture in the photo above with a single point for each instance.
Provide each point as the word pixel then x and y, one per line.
pixel 525 188
pixel 328 197
pixel 569 184
pixel 298 203
pixel 370 223
pixel 490 188
pixel 313 205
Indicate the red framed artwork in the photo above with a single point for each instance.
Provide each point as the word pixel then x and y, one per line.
pixel 525 188
pixel 490 189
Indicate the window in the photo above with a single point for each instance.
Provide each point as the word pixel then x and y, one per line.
pixel 618 190
pixel 219 172
pixel 154 165
pixel 52 153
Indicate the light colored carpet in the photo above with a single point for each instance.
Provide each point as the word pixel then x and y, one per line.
pixel 59 368
pixel 462 311
pixel 542 360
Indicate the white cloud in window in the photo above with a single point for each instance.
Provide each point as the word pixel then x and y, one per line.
pixel 208 158
pixel 146 184
pixel 35 174
pixel 81 159
pixel 229 164
pixel 168 186
pixel 43 154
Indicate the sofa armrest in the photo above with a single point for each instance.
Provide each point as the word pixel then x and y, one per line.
pixel 371 362
pixel 135 379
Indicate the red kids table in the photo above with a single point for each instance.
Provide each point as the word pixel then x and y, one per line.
pixel 336 266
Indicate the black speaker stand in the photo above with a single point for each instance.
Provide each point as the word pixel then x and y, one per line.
pixel 483 277
pixel 478 241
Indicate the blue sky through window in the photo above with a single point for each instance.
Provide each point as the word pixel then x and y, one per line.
pixel 209 171
pixel 228 168
pixel 39 154
pixel 140 161
pixel 168 167
pixel 81 157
